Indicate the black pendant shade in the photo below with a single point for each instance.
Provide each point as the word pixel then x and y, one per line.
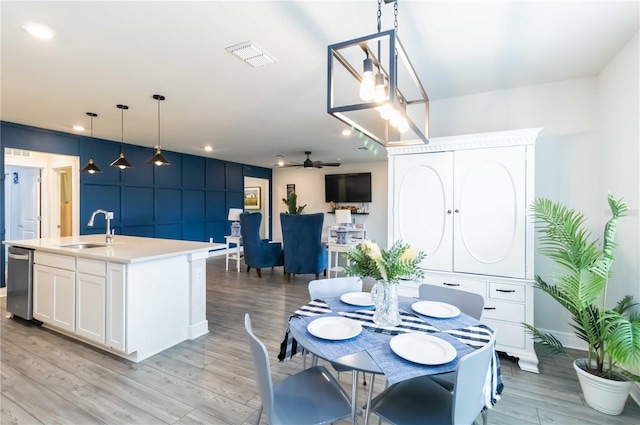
pixel 91 167
pixel 121 162
pixel 158 159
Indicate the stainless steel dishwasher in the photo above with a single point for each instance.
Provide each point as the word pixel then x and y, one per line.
pixel 20 282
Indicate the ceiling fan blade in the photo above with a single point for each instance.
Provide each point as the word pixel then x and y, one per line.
pixel 289 165
pixel 331 164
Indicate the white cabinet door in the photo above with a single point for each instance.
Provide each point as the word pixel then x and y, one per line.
pixel 423 203
pixel 90 307
pixel 43 293
pixel 116 307
pixel 490 211
pixel 54 296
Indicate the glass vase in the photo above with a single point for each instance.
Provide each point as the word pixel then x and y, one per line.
pixel 385 299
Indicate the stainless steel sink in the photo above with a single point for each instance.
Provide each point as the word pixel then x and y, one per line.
pixel 83 245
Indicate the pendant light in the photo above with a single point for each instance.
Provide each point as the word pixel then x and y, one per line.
pixel 121 162
pixel 91 167
pixel 158 158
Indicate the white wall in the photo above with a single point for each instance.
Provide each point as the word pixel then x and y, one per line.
pixel 619 88
pixel 571 165
pixel 310 190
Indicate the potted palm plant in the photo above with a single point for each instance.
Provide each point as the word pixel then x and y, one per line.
pixel 612 334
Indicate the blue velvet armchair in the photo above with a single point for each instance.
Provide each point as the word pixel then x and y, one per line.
pixel 303 250
pixel 258 253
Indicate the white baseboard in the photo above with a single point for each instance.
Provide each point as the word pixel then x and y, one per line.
pixel 569 340
pixel 3 292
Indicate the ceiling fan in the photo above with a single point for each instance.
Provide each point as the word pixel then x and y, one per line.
pixel 308 163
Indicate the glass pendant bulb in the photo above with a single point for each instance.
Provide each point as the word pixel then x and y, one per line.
pixel 367 85
pixel 403 127
pixel 380 92
pixel 386 111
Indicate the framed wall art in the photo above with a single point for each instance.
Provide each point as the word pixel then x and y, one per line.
pixel 252 198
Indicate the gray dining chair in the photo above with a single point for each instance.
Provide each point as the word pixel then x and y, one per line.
pixel 311 396
pixel 421 401
pixel 333 287
pixel 320 289
pixel 468 302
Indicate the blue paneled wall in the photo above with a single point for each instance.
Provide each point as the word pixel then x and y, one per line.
pixel 188 199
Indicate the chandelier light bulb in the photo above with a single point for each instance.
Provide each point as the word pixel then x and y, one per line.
pixel 394 119
pixel 380 94
pixel 386 111
pixel 367 85
pixel 403 126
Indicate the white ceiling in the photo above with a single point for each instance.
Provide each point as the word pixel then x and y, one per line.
pixel 105 53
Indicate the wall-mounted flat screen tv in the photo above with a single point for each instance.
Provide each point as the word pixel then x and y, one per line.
pixel 354 187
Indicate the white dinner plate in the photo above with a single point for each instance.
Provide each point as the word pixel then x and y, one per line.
pixel 334 328
pixel 422 348
pixel 357 298
pixel 436 309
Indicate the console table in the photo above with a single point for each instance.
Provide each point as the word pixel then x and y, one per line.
pixel 337 248
pixel 235 240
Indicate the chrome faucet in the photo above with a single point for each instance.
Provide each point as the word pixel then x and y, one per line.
pixel 109 216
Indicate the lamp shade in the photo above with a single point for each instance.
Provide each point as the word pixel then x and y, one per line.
pixel 234 214
pixel 343 216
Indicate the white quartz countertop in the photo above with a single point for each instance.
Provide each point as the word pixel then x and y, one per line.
pixel 123 249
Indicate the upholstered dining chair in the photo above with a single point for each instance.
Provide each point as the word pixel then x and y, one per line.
pixel 311 396
pixel 421 401
pixel 258 253
pixel 304 251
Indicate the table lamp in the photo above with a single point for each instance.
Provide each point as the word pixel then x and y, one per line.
pixel 343 219
pixel 234 216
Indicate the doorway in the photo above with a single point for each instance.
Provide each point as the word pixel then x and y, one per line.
pixel 263 202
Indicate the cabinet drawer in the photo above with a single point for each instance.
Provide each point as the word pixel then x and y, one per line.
pixel 506 291
pixel 65 262
pixel 500 310
pixel 476 286
pixel 94 267
pixel 508 334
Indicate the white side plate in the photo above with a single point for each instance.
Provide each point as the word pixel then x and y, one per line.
pixel 436 309
pixel 362 299
pixel 422 348
pixel 334 328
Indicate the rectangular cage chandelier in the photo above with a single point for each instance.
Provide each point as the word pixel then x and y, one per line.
pixel 373 87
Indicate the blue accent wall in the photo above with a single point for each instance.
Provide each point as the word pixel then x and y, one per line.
pixel 188 199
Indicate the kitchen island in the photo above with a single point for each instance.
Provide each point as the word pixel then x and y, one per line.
pixel 134 297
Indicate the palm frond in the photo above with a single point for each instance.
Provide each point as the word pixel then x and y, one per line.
pixel 548 341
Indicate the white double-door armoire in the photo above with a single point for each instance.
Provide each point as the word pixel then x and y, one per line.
pixel 465 202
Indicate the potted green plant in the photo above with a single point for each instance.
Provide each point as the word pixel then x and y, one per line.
pixel 612 334
pixel 292 204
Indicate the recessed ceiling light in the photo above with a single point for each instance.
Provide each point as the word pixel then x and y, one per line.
pixel 346 132
pixel 78 128
pixel 208 148
pixel 38 30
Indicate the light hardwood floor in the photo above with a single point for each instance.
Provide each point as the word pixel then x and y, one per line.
pixel 48 378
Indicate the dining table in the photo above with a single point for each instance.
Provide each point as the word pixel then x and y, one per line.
pixel 369 348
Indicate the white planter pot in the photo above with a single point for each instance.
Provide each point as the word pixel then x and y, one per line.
pixel 604 395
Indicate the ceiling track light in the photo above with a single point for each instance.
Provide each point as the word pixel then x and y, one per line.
pixel 121 162
pixel 91 167
pixel 158 159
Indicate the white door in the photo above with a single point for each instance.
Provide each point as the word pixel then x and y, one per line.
pixel 489 211
pixel 25 202
pixel 422 216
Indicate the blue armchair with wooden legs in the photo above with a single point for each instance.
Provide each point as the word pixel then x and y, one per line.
pixel 258 253
pixel 304 251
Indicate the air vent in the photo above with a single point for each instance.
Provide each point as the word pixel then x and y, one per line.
pixel 251 53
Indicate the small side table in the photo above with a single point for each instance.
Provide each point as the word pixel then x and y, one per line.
pixel 235 240
pixel 337 248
